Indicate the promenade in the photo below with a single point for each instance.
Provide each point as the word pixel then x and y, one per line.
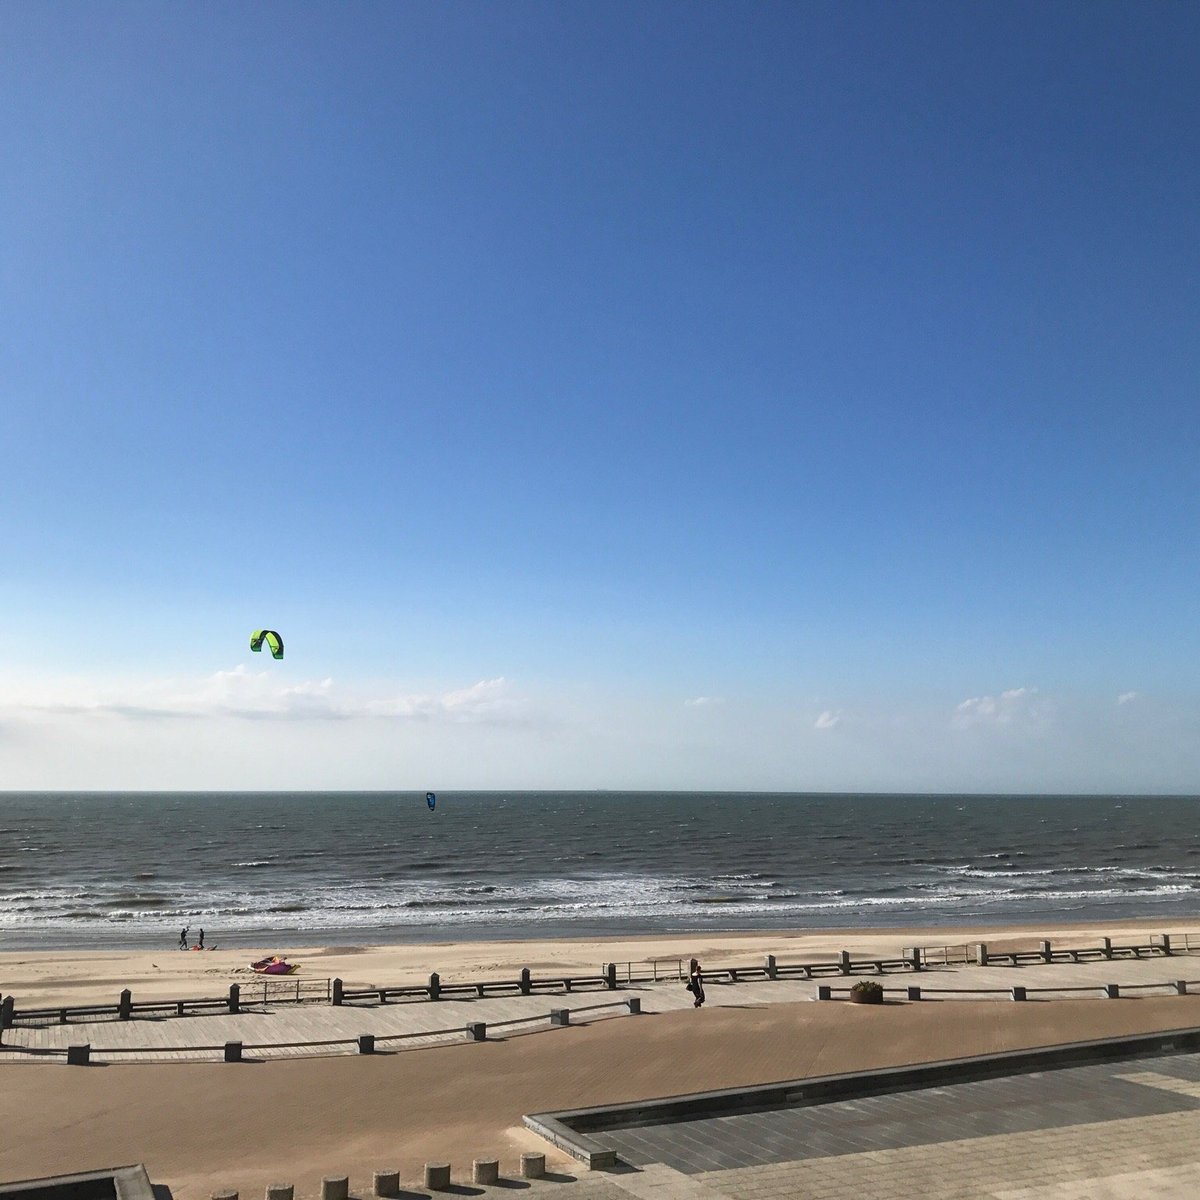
pixel 288 1030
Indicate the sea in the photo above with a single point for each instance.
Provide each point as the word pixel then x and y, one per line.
pixel 291 868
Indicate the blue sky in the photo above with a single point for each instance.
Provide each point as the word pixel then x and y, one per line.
pixel 539 370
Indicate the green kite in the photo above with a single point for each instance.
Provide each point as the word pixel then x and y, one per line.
pixel 273 640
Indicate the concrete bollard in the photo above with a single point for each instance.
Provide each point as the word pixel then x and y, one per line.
pixel 435 986
pixel 914 993
pixel 1166 944
pixel 336 1187
pixel 233 1051
pixel 824 991
pixel 844 962
pixel 1181 987
pixel 772 970
pixel 1018 993
pixel 1047 954
pixel 915 958
pixel 485 1170
pixel 533 1166
pixel 1112 991
pixel 635 1004
pixel 387 1183
pixel 79 1056
pixel 366 1043
pixel 280 1191
pixel 610 976
pixel 437 1176
pixel 981 954
pixel 6 1012
pixel 560 1016
pixel 526 986
pixel 477 1031
pixel 336 988
pixel 125 1005
pixel 1106 947
pixel 235 998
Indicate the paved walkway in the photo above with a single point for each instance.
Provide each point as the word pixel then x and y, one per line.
pixel 1114 1131
pixel 295 1030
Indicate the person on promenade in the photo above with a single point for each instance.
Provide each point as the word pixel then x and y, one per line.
pixel 696 983
pixel 183 939
pixel 202 939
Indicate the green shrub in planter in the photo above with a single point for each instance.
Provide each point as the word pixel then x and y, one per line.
pixel 866 992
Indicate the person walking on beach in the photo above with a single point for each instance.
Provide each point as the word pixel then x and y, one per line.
pixel 183 940
pixel 202 939
pixel 696 983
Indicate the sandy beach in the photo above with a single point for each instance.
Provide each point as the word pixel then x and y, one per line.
pixel 204 1127
pixel 51 978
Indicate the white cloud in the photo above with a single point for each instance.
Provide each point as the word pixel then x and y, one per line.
pixel 257 695
pixel 1017 705
pixel 828 720
pixel 703 701
pixel 1127 697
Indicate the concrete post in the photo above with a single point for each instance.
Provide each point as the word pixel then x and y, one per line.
pixel 335 997
pixel 6 1012
pixel 1181 987
pixel 981 954
pixel 1166 944
pixel 1047 955
pixel 560 1016
pixel 235 998
pixel 525 984
pixel 280 1191
pixel 916 958
pixel 387 1183
pixel 914 993
pixel 79 1056
pixel 1018 993
pixel 125 1005
pixel 435 986
pixel 610 976
pixel 233 1051
pixel 337 1187
pixel 477 1031
pixel 635 1004
pixel 772 970
pixel 533 1166
pixel 1106 947
pixel 844 962
pixel 1112 991
pixel 366 1043
pixel 437 1176
pixel 824 991
pixel 485 1170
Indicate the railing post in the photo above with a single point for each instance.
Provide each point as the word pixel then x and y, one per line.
pixel 125 1005
pixel 6 1012
pixel 772 970
pixel 435 986
pixel 1106 947
pixel 610 976
pixel 525 984
pixel 1166 944
pixel 335 997
pixel 1047 954
pixel 844 962
pixel 981 954
pixel 235 994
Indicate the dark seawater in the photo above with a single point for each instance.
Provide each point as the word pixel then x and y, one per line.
pixel 131 869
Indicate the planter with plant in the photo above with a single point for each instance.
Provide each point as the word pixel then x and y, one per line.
pixel 866 992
